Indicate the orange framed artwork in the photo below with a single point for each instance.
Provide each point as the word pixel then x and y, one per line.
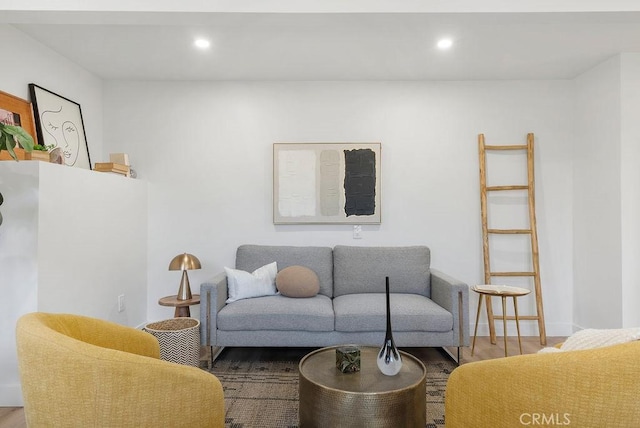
pixel 16 111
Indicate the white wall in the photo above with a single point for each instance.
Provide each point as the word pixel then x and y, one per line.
pixel 206 150
pixel 607 234
pixel 606 201
pixel 596 196
pixel 18 265
pixel 72 240
pixel 630 183
pixel 92 244
pixel 28 260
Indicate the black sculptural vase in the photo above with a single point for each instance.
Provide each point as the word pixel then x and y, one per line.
pixel 389 360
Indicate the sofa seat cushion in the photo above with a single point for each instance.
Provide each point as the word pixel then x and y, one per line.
pixel 278 313
pixel 409 312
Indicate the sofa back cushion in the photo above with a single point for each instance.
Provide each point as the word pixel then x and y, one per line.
pixel 318 259
pixel 363 270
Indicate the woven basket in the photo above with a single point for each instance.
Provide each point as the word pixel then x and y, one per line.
pixel 179 340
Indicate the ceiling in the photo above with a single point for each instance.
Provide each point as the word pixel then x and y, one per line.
pixel 337 46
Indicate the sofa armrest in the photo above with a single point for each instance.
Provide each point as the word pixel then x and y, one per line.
pixel 590 388
pixel 213 295
pixel 453 295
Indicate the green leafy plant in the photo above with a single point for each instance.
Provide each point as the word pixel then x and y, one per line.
pixel 40 148
pixel 10 135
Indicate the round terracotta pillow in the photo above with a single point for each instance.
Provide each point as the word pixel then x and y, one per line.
pixel 297 281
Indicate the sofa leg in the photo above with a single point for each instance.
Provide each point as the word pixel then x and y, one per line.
pixel 457 357
pixel 214 351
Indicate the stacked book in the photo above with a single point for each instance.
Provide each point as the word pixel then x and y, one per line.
pixel 113 167
pixel 119 165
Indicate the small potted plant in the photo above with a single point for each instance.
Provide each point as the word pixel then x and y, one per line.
pixel 10 136
pixel 40 153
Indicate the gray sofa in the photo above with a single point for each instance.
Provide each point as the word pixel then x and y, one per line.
pixel 428 308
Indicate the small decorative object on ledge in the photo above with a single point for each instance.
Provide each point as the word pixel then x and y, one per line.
pixel 348 359
pixel 112 167
pixel 121 158
pixel 42 156
pixel 56 155
pixel 39 153
pixel 20 154
pixel 389 360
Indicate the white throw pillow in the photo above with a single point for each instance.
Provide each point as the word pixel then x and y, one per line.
pixel 244 285
pixel 596 338
pixel 549 350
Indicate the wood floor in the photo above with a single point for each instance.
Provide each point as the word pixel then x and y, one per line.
pixel 13 417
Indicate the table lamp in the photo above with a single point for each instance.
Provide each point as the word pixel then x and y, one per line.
pixel 184 262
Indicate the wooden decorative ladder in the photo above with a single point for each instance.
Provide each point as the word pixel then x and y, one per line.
pixel 531 231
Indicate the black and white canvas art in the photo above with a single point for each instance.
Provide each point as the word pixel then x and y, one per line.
pixel 326 183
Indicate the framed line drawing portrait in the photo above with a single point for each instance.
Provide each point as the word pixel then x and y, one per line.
pixel 326 183
pixel 59 123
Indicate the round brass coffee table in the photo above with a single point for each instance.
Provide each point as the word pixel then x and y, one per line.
pixel 330 398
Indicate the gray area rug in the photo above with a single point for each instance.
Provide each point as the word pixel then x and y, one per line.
pixel 263 392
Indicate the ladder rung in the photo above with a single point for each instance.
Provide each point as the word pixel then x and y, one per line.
pixel 518 147
pixel 516 187
pixel 513 274
pixel 509 231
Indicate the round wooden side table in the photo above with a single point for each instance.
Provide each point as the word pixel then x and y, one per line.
pixel 182 306
pixel 502 291
pixel 367 398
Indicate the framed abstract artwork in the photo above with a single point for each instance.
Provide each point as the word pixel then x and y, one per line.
pixel 334 183
pixel 59 123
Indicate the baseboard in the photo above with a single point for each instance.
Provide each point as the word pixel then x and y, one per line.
pixel 11 396
pixel 527 328
pixel 576 328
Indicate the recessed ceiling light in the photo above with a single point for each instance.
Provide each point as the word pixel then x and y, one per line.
pixel 202 43
pixel 445 43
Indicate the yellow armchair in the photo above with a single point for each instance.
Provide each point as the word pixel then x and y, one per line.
pixel 589 388
pixel 84 372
